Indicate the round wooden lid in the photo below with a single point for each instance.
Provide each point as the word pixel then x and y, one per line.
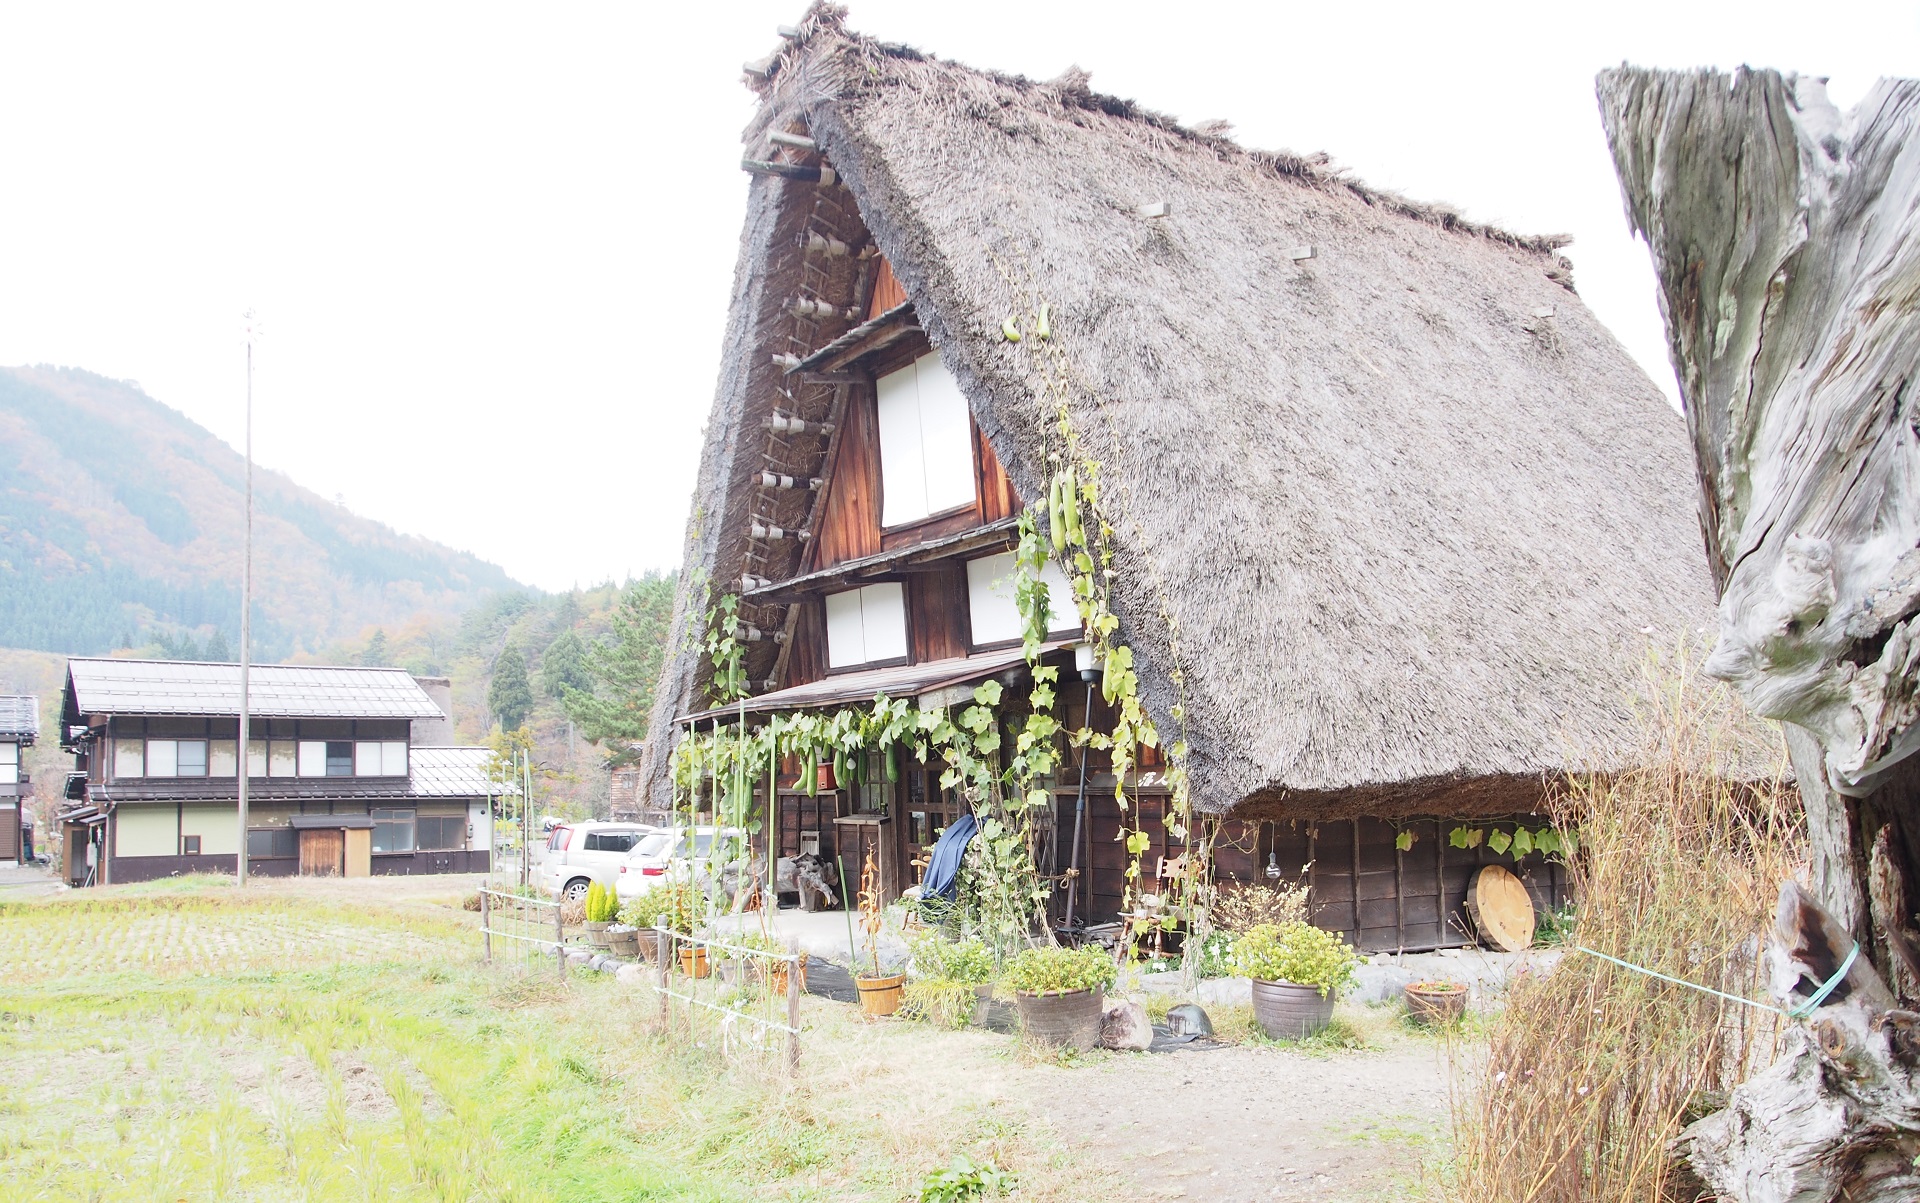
pixel 1501 909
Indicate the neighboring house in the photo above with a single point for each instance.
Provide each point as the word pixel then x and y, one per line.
pixel 337 784
pixel 19 727
pixel 1414 513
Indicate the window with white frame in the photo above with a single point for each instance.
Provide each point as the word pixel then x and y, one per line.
pixel 994 611
pixel 926 442
pixel 866 625
pixel 380 758
pixel 9 764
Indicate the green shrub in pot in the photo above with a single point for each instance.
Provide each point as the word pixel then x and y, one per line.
pixel 1057 970
pixel 676 904
pixel 1294 952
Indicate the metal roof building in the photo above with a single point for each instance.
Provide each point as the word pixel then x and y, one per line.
pixel 176 687
pixel 19 716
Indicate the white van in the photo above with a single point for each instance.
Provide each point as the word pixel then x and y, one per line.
pixel 578 854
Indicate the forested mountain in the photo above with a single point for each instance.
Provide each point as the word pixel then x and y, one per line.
pixel 121 523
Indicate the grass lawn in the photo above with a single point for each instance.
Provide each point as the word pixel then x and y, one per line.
pixel 194 1042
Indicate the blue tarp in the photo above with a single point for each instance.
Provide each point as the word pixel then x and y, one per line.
pixel 943 866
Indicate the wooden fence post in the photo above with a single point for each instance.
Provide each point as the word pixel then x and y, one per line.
pixel 793 1003
pixel 662 952
pixel 560 941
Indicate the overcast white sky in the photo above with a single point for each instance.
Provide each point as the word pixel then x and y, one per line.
pixel 491 245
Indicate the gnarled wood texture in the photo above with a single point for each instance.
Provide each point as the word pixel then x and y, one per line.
pixel 1784 237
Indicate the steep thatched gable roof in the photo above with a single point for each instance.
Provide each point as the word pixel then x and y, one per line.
pixel 1413 511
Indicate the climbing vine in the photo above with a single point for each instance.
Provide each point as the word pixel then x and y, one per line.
pixel 1081 534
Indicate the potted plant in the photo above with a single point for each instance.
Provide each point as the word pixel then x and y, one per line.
pixel 952 981
pixel 600 908
pixel 674 904
pixel 1061 993
pixel 880 993
pixel 1296 969
pixel 1437 1003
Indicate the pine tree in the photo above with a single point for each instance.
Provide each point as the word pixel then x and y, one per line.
pixel 217 649
pixel 375 655
pixel 562 666
pixel 509 695
pixel 613 711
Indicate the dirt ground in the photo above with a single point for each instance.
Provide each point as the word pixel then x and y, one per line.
pixel 1263 1124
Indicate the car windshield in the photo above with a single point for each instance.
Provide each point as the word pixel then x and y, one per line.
pixel 702 843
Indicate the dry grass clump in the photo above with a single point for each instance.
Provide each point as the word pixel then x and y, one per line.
pixel 1592 1070
pixel 1244 907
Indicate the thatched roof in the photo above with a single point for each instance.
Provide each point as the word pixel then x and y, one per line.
pixel 1415 511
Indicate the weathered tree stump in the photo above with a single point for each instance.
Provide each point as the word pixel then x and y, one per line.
pixel 1786 239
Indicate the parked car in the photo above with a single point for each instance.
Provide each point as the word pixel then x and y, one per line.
pixel 578 854
pixel 664 856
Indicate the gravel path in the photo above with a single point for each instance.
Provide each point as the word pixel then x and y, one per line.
pixel 1253 1123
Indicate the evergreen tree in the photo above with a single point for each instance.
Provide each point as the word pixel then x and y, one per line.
pixel 376 654
pixel 623 670
pixel 509 695
pixel 217 649
pixel 563 667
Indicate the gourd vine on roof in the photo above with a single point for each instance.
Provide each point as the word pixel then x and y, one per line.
pixel 1081 533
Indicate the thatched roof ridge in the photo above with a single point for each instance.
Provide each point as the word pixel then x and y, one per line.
pixel 1073 89
pixel 1403 516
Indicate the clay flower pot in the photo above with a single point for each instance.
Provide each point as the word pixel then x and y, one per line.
pixel 693 962
pixel 1290 1011
pixel 777 976
pixel 1436 1004
pixel 881 995
pixel 1063 1018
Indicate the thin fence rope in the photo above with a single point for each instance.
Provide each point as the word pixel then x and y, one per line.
pixel 1800 1011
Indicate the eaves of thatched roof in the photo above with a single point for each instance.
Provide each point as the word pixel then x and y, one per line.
pixel 1402 516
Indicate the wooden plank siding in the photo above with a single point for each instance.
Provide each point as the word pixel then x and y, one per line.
pixel 849 524
pixel 996 493
pixel 937 616
pixel 887 291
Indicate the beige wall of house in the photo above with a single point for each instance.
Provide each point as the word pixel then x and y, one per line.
pixel 146 830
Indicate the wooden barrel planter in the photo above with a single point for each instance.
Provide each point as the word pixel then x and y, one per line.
pixel 693 962
pixel 1436 1004
pixel 1065 1019
pixel 1286 1011
pixel 624 943
pixel 597 932
pixel 881 995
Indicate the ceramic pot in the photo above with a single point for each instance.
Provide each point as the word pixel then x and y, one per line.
pixel 1289 1011
pixel 693 962
pixel 1065 1018
pixel 1435 1007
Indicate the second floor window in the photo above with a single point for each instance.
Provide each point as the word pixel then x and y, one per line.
pixel 926 442
pixel 866 625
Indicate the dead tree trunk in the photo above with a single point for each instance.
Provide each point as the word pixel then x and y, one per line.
pixel 1786 238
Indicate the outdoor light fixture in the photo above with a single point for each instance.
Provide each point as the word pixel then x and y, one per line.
pixel 1083 659
pixel 1273 866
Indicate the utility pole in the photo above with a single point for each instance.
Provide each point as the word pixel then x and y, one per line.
pixel 246 621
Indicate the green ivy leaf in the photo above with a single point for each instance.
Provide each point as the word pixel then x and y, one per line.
pixel 1403 841
pixel 1499 841
pixel 1522 842
pixel 1457 837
